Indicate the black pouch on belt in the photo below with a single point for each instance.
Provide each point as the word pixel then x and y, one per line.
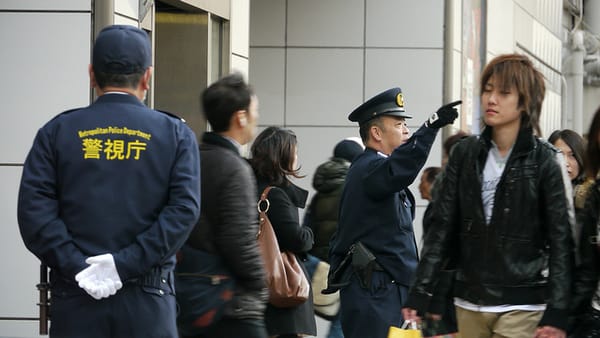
pixel 363 263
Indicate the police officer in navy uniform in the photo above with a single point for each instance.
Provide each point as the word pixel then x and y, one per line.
pixel 374 245
pixel 108 194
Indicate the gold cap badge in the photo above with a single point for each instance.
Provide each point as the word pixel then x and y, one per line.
pixel 400 100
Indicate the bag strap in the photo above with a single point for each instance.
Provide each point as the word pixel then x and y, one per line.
pixel 263 202
pixel 265 192
pixel 263 198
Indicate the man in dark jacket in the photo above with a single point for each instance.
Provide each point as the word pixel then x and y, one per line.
pixel 108 195
pixel 505 215
pixel 376 213
pixel 228 223
pixel 328 181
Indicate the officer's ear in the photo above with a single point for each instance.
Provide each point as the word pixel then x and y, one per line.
pixel 93 83
pixel 145 81
pixel 375 133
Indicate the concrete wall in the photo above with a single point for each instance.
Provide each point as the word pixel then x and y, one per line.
pixel 312 62
pixel 45 54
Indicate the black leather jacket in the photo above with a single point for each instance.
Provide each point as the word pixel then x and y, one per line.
pixel 586 290
pixel 525 254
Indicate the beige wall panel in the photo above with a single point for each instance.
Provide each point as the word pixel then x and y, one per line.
pixel 529 6
pixel 456 90
pixel 547 46
pixel 127 8
pixel 125 20
pixel 323 85
pixel 457 27
pixel 332 23
pixel 500 31
pixel 267 76
pixel 523 25
pixel 405 23
pixel 551 113
pixel 54 5
pixel 240 27
pixel 44 72
pixel 267 23
pixel 421 85
pixel 21 268
pixel 239 64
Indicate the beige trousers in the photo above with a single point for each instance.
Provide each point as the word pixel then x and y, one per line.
pixel 511 324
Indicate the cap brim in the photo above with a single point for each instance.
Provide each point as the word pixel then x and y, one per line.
pixel 399 113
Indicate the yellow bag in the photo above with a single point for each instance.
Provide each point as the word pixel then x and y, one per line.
pixel 404 331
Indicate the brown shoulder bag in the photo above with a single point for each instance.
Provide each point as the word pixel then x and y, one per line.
pixel 287 283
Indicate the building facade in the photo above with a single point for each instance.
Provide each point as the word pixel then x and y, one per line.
pixel 311 62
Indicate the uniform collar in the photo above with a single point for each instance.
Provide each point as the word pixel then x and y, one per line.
pixel 377 152
pixel 118 97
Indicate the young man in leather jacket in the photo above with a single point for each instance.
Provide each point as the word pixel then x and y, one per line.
pixel 505 210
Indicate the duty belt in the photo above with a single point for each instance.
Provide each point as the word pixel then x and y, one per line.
pixel 158 280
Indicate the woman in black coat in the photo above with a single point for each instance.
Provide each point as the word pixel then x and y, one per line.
pixel 274 159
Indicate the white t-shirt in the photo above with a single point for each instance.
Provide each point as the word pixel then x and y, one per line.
pixel 492 172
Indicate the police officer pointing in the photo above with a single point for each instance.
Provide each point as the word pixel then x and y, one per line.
pixel 373 253
pixel 108 194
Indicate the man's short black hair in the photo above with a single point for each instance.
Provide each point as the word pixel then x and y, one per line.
pixel 223 98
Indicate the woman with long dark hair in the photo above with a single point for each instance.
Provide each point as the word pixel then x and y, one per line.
pixel 572 145
pixel 275 161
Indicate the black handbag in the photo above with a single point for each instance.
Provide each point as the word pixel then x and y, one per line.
pixel 203 287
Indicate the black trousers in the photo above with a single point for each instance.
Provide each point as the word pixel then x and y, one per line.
pixel 371 312
pixel 228 327
pixel 133 312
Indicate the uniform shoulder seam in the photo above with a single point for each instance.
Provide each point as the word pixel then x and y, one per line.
pixel 67 112
pixel 171 115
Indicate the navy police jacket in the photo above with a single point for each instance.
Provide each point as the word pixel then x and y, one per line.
pixel 377 207
pixel 115 177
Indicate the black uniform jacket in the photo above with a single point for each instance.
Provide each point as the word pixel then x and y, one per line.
pixel 377 207
pixel 525 254
pixel 114 177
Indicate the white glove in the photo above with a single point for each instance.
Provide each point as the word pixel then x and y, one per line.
pixel 100 279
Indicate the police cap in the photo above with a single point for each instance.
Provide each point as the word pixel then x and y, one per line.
pixel 121 49
pixel 389 102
